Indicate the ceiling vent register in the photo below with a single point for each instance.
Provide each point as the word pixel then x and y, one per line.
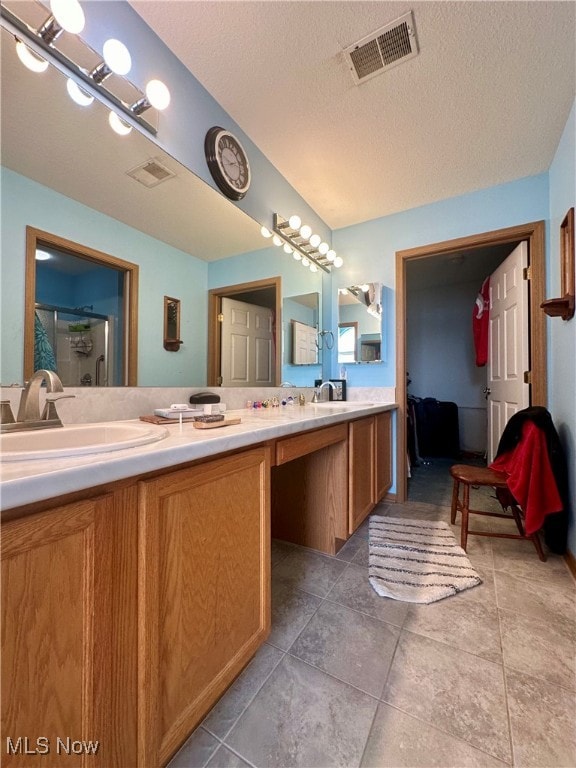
pixel 383 49
pixel 151 173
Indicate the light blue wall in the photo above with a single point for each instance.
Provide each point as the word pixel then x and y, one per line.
pixel 25 202
pixel 561 333
pixel 369 249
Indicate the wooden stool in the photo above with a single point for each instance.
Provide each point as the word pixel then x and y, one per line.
pixel 466 476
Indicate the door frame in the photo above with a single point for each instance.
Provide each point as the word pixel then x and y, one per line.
pixel 36 238
pixel 534 233
pixel 215 296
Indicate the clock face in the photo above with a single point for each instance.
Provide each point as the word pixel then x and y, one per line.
pixel 227 162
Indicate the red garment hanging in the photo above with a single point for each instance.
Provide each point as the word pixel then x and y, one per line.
pixel 530 477
pixel 480 321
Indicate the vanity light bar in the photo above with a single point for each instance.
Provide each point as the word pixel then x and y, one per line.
pixel 37 42
pixel 298 243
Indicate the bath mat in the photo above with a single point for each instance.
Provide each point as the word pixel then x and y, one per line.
pixel 417 561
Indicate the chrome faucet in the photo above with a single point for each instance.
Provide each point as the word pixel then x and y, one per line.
pixel 29 409
pixel 317 396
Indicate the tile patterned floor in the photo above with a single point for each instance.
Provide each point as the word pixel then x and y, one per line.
pixel 483 679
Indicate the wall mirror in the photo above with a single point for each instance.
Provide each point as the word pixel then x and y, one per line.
pixel 63 170
pixel 172 339
pixel 360 323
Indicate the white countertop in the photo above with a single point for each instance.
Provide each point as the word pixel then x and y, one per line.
pixel 24 482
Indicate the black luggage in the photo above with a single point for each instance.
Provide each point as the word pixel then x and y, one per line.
pixel 437 428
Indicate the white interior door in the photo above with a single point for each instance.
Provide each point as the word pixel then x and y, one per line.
pixel 508 344
pixel 247 345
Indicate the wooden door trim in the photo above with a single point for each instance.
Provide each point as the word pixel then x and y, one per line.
pixel 534 233
pixel 215 296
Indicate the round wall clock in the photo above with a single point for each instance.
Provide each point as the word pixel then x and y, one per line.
pixel 227 162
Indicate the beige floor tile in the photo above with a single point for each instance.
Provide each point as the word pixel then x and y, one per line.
pixel 453 690
pixel 353 589
pixel 539 648
pixel 547 603
pixel 304 718
pixel 519 558
pixel 398 740
pixel 542 718
pixel 468 621
pixel 353 647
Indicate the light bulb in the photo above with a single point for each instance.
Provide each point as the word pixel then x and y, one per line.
pixel 323 248
pixel 42 256
pixel 77 94
pixel 276 240
pixel 117 57
pixel 157 94
pixel 364 287
pixel 265 232
pixel 68 14
pixel 121 127
pixel 294 222
pixel 338 261
pixel 343 291
pixel 305 231
pixel 31 60
pixel 297 255
pixel 287 248
pixel 305 261
pixel 331 255
pixel 313 267
pixel 315 241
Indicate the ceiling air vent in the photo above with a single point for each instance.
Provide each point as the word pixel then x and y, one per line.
pixel 383 49
pixel 151 173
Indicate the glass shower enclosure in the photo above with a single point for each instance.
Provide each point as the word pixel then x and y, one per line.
pixel 77 343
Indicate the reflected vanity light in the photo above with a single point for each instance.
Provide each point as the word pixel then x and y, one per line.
pixel 37 47
pixel 42 255
pixel 31 60
pixel 119 126
pixel 298 240
pixel 77 94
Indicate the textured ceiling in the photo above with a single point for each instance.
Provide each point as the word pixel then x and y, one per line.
pixel 483 103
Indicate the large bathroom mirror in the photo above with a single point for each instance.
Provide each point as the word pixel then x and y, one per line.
pixel 360 323
pixel 64 171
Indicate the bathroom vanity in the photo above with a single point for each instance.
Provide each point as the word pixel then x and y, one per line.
pixel 136 584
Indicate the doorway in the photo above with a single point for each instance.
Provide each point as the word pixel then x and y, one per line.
pixel 533 233
pixel 264 293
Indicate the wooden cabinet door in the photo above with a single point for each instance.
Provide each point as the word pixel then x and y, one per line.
pixel 361 471
pixel 204 591
pixel 58 645
pixel 383 454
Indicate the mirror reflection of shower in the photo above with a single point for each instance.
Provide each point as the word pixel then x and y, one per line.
pixel 78 322
pixel 76 343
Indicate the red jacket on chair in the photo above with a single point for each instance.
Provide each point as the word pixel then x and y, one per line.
pixel 530 477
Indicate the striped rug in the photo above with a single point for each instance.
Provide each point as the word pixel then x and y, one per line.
pixel 417 561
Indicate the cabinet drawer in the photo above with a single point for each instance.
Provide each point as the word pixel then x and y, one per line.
pixel 293 447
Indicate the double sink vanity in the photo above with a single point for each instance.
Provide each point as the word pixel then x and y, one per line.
pixel 136 565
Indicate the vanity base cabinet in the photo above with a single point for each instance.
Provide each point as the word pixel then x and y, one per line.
pixel 69 676
pixel 383 453
pixel 370 465
pixel 362 471
pixel 204 592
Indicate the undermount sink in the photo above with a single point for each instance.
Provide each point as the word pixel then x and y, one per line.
pixel 77 440
pixel 342 404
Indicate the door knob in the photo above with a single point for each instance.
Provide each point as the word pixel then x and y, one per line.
pixel 486 392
